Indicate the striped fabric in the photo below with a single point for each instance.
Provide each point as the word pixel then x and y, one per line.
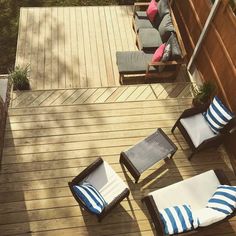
pixel 178 219
pixel 224 199
pixel 217 115
pixel 90 197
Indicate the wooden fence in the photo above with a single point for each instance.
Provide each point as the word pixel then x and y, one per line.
pixel 216 58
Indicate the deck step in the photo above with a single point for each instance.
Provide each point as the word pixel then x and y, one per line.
pixel 101 95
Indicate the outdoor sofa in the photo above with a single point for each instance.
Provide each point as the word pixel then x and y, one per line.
pixel 195 191
pixel 149 36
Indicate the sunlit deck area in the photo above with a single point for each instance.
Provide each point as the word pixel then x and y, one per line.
pixel 46 146
pixel 70 47
pixel 76 112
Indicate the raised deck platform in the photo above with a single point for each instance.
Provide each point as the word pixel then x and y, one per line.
pixel 69 47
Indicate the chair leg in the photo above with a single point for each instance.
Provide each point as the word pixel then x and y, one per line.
pixel 173 128
pixel 191 155
pixel 121 79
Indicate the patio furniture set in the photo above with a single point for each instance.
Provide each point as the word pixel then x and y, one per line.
pixel 188 206
pixel 153 34
pixel 192 204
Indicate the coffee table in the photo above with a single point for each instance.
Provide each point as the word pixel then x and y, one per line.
pixel 146 153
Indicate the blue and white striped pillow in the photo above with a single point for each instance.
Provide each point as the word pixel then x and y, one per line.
pixel 90 197
pixel 217 115
pixel 224 199
pixel 178 219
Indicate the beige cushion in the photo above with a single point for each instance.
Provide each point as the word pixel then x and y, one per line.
pixel 197 128
pixel 195 191
pixel 107 182
pixel 208 216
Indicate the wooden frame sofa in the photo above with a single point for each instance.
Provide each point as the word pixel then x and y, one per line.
pixel 198 190
pixel 149 36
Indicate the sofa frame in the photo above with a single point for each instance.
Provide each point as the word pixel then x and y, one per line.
pixel 177 63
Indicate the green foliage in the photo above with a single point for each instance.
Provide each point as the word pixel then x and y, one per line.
pixel 205 92
pixel 20 78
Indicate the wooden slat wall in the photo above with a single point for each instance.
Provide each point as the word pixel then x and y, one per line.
pixel 216 59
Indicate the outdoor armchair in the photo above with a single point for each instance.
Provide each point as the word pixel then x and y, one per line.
pixel 101 176
pixel 197 132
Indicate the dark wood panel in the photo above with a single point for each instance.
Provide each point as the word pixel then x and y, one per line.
pixel 202 9
pixel 217 56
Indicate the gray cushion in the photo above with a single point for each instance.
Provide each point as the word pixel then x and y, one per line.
pixel 166 27
pixel 141 20
pixel 131 62
pixel 175 49
pixel 149 38
pixel 163 8
pixel 3 89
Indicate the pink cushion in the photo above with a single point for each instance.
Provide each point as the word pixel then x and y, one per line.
pixel 158 53
pixel 152 10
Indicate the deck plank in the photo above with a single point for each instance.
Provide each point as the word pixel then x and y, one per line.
pixel 41 157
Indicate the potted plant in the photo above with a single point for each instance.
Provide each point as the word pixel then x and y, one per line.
pixel 20 78
pixel 204 94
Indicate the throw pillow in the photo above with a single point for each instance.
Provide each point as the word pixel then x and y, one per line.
pixel 224 199
pixel 178 219
pixel 158 53
pixel 152 10
pixel 163 7
pixel 208 216
pixel 166 27
pixel 217 115
pixel 92 199
pixel 175 49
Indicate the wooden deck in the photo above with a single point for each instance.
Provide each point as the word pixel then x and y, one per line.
pixel 69 47
pixel 100 95
pixel 47 146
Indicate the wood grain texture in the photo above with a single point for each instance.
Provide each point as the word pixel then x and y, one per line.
pixel 73 46
pixel 46 146
pixel 101 95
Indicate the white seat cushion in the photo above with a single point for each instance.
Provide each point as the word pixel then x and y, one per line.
pixel 107 182
pixel 195 191
pixel 208 216
pixel 197 128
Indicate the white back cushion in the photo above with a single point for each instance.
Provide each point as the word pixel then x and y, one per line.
pixel 195 191
pixel 107 182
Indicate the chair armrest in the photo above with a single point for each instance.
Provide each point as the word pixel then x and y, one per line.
pixel 138 5
pixel 154 213
pixel 222 177
pixel 192 111
pixel 87 171
pixel 160 63
pixel 114 203
pixel 141 4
